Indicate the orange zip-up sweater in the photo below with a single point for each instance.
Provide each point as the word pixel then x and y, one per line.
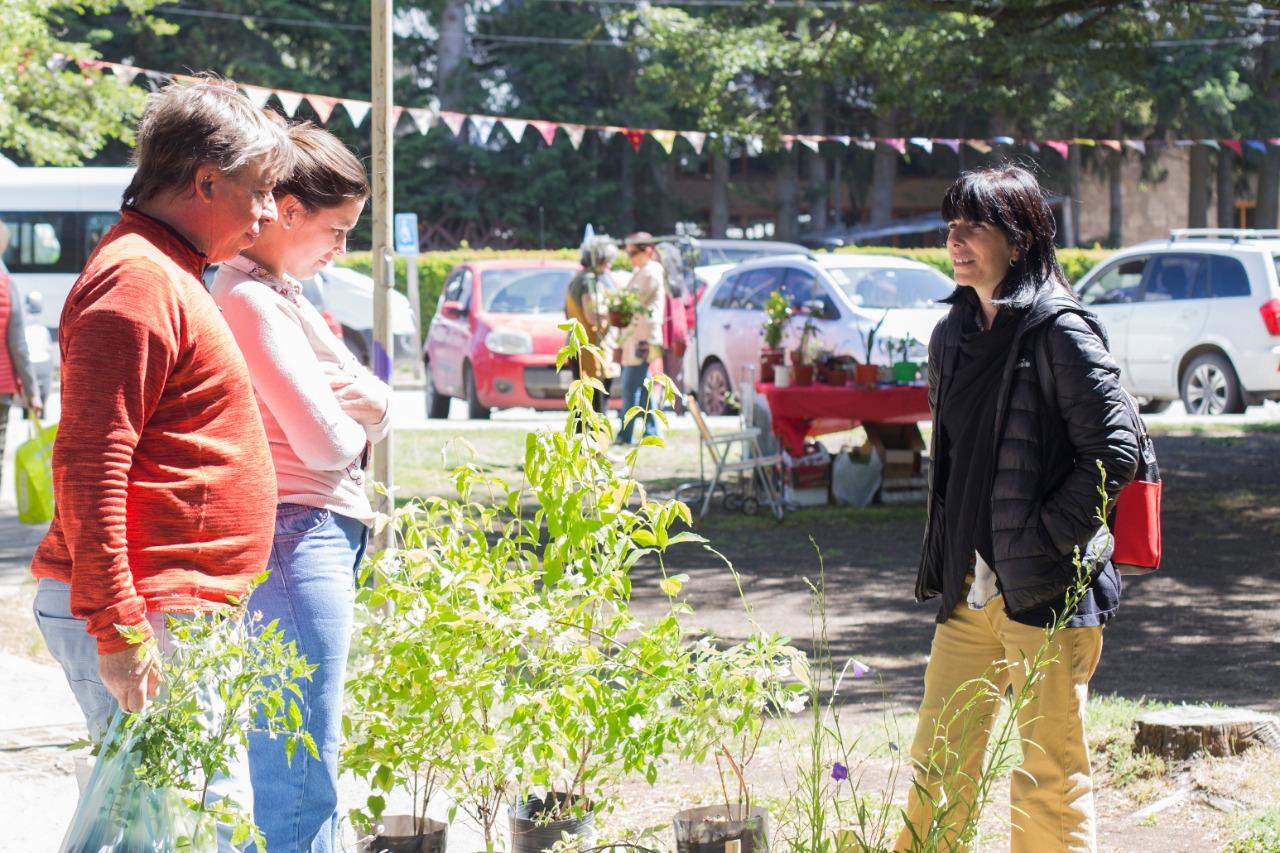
pixel 164 490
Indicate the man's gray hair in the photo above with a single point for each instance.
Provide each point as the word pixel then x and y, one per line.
pixel 186 126
pixel 598 250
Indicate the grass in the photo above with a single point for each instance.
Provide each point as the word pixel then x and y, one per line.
pixel 1259 834
pixel 1109 724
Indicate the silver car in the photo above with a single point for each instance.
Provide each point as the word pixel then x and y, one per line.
pixel 844 295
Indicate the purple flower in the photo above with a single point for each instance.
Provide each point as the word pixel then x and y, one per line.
pixel 860 669
pixel 839 772
pixel 893 746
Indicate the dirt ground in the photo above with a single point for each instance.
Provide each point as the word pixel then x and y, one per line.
pixel 1205 628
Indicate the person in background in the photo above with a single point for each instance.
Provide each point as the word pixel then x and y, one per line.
pixel 18 383
pixel 1005 516
pixel 162 476
pixel 584 302
pixel 321 410
pixel 641 340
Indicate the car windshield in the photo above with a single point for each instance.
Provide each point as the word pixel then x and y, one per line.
pixel 892 287
pixel 525 291
pixel 708 255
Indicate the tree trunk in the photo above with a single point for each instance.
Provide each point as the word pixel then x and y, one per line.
pixel 1267 214
pixel 1181 732
pixel 1198 188
pixel 451 50
pixel 1226 190
pixel 627 190
pixel 837 201
pixel 818 166
pixel 884 174
pixel 719 189
pixel 1074 169
pixel 788 197
pixel 664 181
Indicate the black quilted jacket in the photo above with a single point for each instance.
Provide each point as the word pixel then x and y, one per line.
pixel 1044 499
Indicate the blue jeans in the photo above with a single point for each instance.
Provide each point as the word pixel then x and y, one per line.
pixel 77 651
pixel 634 393
pixel 311 591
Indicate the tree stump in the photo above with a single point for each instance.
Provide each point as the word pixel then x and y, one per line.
pixel 1180 733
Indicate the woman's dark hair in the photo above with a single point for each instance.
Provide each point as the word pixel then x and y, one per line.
pixel 1009 198
pixel 326 173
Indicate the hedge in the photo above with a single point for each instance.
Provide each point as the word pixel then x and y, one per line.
pixel 433 267
pixel 1075 262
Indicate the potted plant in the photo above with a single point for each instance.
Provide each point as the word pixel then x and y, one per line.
pixel 736 686
pixel 904 369
pixel 776 312
pixel 836 369
pixel 621 304
pixel 867 373
pixel 802 358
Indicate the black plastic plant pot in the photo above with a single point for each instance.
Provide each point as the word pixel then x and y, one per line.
pixel 399 834
pixel 710 829
pixel 531 833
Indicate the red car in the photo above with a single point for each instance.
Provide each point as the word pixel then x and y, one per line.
pixel 494 337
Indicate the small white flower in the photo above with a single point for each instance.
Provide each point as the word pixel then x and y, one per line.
pixel 796 703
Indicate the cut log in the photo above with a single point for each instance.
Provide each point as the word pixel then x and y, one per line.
pixel 1179 733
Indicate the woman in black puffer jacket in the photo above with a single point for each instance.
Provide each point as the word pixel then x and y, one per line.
pixel 1013 493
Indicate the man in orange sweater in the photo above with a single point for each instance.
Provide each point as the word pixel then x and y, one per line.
pixel 163 480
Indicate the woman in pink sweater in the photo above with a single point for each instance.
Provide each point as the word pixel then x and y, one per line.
pixel 321 410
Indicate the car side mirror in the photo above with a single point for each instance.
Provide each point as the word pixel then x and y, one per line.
pixel 820 308
pixel 452 310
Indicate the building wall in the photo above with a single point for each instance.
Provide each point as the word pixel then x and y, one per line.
pixel 1152 206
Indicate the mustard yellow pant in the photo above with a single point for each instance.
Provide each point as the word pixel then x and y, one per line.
pixel 1051 792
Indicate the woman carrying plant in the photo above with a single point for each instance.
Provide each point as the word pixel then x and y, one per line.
pixel 18 384
pixel 321 409
pixel 1014 491
pixel 641 340
pixel 584 302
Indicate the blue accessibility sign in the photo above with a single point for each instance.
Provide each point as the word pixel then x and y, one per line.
pixel 406 228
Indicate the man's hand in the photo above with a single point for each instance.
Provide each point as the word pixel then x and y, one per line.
pixel 33 404
pixel 363 398
pixel 132 677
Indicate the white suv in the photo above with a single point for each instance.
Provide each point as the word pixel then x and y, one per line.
pixel 1195 317
pixel 844 295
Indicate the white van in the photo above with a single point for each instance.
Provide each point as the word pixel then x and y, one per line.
pixel 55 217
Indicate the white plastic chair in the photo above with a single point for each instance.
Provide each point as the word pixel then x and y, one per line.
pixel 750 462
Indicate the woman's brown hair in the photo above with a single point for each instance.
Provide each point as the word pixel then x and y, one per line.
pixel 326 172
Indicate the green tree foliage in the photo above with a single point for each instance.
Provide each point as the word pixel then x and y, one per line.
pixel 51 111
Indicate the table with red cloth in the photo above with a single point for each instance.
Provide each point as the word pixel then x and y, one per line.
pixel 798 412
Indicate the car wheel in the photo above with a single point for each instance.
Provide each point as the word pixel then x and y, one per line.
pixel 713 390
pixel 1153 407
pixel 437 403
pixel 1210 387
pixel 475 411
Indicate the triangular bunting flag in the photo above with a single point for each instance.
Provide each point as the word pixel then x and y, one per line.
pixel 754 145
pixel 635 137
pixel 424 118
pixel 1002 140
pixel 922 142
pixel 1275 140
pixel 609 132
pixel 1059 145
pixel 396 112
pixel 453 121
pixel 1113 144
pixel 575 132
pixel 979 145
pixel 897 143
pixel 514 126
pixel 546 129
pixel 356 110
pixel 483 126
pixel 1234 145
pixel 257 95
pixel 865 144
pixel 1256 145
pixel 810 142
pixel 953 144
pixel 1137 145
pixel 694 138
pixel 1035 147
pixel 323 105
pixel 95 64
pixel 126 73
pixel 1184 143
pixel 156 79
pixel 843 140
pixel 1083 141
pixel 665 138
pixel 788 142
pixel 1210 143
pixel 289 100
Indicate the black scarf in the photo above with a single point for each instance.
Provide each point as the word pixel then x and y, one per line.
pixel 967 418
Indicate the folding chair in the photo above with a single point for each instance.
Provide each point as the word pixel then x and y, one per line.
pixel 752 461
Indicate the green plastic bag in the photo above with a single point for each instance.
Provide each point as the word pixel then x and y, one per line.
pixel 33 476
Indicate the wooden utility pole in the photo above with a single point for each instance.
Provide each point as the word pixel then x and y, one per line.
pixel 383 257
